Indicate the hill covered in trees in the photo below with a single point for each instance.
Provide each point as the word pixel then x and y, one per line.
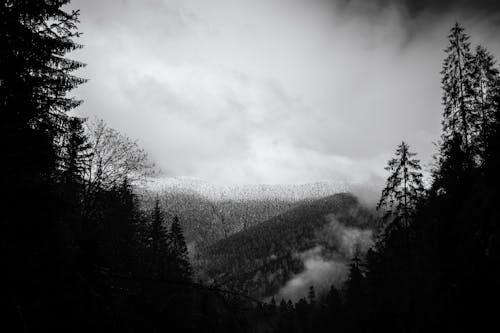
pixel 206 220
pixel 260 260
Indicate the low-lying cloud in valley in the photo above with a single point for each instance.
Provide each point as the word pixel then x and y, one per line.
pixel 318 272
pixel 327 265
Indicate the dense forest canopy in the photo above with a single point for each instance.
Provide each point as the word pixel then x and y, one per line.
pixel 87 250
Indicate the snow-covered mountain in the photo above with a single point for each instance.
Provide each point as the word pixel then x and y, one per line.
pixel 289 192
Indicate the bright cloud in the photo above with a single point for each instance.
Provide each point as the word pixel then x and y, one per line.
pixel 245 92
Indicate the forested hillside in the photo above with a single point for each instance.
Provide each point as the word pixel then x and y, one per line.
pixel 260 260
pixel 206 220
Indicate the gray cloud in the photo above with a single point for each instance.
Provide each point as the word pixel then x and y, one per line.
pixel 415 8
pixel 318 272
pixel 420 18
pixel 295 91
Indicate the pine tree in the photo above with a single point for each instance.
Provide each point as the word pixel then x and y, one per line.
pixel 311 295
pixel 35 78
pixel 158 243
pixel 179 250
pixel 401 198
pixel 458 115
pixel 121 219
pixel 75 155
pixel 74 159
pixel 463 83
pixel 333 310
pixel 404 187
pixel 485 82
pixel 355 295
pixel 492 151
pixel 353 285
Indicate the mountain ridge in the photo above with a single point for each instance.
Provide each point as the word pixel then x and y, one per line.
pixel 292 192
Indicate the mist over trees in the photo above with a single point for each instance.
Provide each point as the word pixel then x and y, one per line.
pixel 82 253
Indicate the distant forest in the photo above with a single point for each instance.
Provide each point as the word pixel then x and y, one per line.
pixel 82 254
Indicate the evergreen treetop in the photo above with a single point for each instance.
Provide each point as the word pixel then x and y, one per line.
pixel 404 187
pixel 458 116
pixel 485 87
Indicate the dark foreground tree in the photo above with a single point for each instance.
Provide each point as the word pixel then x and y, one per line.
pixel 35 78
pixel 485 82
pixel 158 244
pixel 404 188
pixel 458 115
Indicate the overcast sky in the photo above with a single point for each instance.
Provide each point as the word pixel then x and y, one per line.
pixel 273 91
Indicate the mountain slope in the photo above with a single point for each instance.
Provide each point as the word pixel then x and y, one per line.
pixel 206 221
pixel 261 259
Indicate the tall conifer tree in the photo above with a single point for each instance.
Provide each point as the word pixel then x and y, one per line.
pixel 119 227
pixel 404 187
pixel 180 251
pixel 160 257
pixel 458 115
pixel 485 83
pixel 35 78
pixel 76 153
pixel 74 159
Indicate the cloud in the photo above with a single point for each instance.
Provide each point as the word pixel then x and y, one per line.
pixel 327 263
pixel 417 7
pixel 239 92
pixel 318 272
pixel 351 239
pixel 422 18
pixel 413 10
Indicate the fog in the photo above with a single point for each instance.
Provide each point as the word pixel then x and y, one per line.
pixel 327 263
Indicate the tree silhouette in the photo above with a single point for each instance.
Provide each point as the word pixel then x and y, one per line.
pixel 120 222
pixel 458 116
pixel 485 82
pixel 158 243
pixel 35 81
pixel 74 160
pixel 404 188
pixel 355 294
pixel 114 159
pixel 179 250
